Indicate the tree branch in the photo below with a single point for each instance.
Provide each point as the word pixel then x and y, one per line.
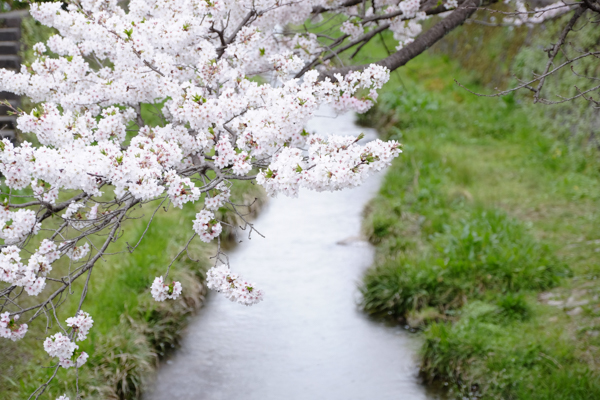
pixel 421 43
pixel 578 13
pixel 348 3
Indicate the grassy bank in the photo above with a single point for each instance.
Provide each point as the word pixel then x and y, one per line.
pixel 131 331
pixel 486 234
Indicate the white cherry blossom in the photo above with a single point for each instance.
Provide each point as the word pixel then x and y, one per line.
pixel 81 324
pixel 234 287
pixel 161 291
pixel 10 329
pixel 59 345
pixel 206 226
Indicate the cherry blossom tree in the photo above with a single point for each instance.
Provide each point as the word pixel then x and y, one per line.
pixel 234 83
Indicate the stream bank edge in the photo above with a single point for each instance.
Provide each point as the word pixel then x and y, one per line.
pixel 470 227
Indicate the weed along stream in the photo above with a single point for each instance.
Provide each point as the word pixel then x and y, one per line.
pixel 307 340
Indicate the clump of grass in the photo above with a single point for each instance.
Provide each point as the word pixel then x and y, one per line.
pixel 485 251
pixel 514 306
pixel 121 363
pixel 484 356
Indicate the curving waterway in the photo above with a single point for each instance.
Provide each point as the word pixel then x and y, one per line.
pixel 307 340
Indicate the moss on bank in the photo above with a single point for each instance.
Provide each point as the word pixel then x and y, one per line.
pixel 486 234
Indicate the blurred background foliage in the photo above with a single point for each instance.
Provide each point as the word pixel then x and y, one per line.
pixel 485 227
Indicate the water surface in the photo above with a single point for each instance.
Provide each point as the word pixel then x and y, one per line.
pixel 307 340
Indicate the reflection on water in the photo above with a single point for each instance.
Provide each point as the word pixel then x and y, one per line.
pixel 307 340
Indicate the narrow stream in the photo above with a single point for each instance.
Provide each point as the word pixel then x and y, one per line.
pixel 307 340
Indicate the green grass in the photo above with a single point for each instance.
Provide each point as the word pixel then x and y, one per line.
pixel 486 209
pixel 131 331
pixel 485 354
pixel 465 259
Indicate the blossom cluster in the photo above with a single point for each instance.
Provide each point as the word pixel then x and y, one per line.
pixel 10 329
pixel 30 276
pixel 81 324
pixel 234 287
pixel 161 291
pixel 353 28
pixel 218 198
pixel 206 226
pixel 181 190
pixel 525 17
pixel 81 131
pixel 333 163
pixel 61 346
pixel 76 253
pixel 16 226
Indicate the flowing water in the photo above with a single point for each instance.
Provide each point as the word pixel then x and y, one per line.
pixel 308 339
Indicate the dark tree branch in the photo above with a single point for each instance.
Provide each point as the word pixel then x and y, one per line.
pixel 421 43
pixel 561 40
pixel 592 6
pixel 348 3
pixel 363 39
pixel 438 9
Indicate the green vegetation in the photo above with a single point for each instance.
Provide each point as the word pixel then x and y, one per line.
pixel 497 56
pixel 131 331
pixel 32 32
pixel 486 235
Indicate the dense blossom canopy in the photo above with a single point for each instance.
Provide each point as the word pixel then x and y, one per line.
pixel 186 57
